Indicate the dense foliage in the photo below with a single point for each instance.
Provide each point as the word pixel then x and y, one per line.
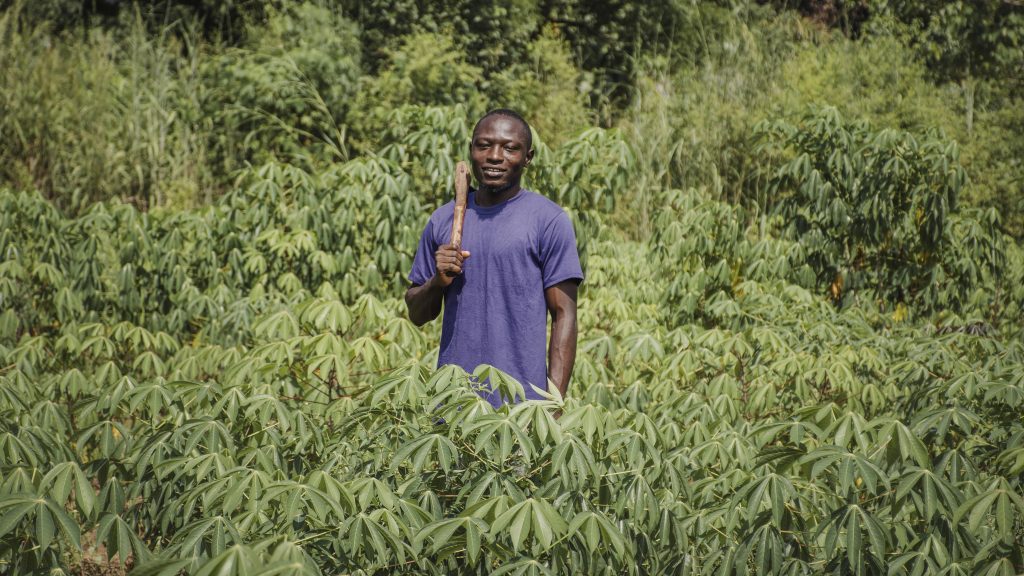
pixel 161 104
pixel 237 389
pixel 801 338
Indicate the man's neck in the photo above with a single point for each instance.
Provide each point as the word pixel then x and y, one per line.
pixel 486 198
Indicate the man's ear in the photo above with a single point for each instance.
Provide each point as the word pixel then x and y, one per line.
pixel 529 157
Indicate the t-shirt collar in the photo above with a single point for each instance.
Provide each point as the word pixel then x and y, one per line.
pixel 497 207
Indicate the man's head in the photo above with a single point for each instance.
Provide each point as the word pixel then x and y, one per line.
pixel 501 148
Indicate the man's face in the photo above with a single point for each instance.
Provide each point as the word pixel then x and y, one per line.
pixel 499 154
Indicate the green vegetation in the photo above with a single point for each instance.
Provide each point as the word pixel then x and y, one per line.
pixel 801 344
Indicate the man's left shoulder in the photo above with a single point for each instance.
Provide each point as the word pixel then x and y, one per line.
pixel 543 206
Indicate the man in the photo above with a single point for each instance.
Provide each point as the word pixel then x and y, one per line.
pixel 518 264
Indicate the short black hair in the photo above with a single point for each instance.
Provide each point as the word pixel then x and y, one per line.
pixel 509 113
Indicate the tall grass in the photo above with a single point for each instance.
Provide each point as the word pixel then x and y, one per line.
pixel 694 109
pixel 86 116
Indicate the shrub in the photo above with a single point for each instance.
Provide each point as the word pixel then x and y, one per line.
pixel 426 70
pixel 286 94
pixel 874 211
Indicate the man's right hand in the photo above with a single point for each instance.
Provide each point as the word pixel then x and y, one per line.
pixel 448 264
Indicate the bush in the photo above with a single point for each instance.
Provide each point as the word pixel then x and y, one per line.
pixel 546 88
pixel 426 70
pixel 875 211
pixel 286 94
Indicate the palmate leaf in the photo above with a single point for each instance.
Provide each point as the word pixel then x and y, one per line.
pixel 488 510
pixel 533 517
pixel 573 463
pixel 199 468
pixel 205 537
pixel 853 521
pixel 235 560
pixel 590 419
pixel 269 411
pixel 499 437
pixel 928 492
pixel 286 559
pixel 850 469
pixel 109 437
pixel 402 387
pixel 771 492
pixel 509 389
pixel 597 532
pixel 230 402
pixel 901 443
pixel 763 548
pixel 212 435
pixel 638 501
pixel 162 566
pixel 233 489
pixel 426 452
pixel 154 397
pixel 370 492
pixel 1007 393
pixel 1012 459
pixel 536 418
pixel 633 448
pixel 330 315
pixel 65 477
pixel 850 428
pixel 326 343
pixel 40 518
pixel 642 347
pixel 452 535
pixel 523 567
pixel 120 538
pixel 1000 502
pixel 939 421
pixel 196 395
pixel 322 504
pixel 790 431
pixel 726 448
pixel 370 352
pixel 447 377
pixel 280 325
pixel 363 537
pixel 929 557
pixel 459 406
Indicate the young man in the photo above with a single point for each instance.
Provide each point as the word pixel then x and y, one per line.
pixel 518 264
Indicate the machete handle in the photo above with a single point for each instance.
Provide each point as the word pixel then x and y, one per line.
pixel 461 191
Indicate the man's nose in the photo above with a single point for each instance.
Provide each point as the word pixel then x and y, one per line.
pixel 494 154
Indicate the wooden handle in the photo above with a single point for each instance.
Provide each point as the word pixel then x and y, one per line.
pixel 461 190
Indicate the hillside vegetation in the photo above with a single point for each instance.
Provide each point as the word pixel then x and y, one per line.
pixel 801 345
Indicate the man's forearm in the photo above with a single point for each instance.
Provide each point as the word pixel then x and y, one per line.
pixel 424 301
pixel 562 350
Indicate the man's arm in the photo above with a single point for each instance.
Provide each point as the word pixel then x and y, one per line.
pixel 424 301
pixel 561 302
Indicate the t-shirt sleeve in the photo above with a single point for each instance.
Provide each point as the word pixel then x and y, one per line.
pixel 558 256
pixel 423 263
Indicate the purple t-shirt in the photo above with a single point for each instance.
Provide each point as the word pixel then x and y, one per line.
pixel 495 312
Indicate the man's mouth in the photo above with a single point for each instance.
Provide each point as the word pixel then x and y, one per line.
pixel 492 172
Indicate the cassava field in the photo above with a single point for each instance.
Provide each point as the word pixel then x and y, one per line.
pixel 801 341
